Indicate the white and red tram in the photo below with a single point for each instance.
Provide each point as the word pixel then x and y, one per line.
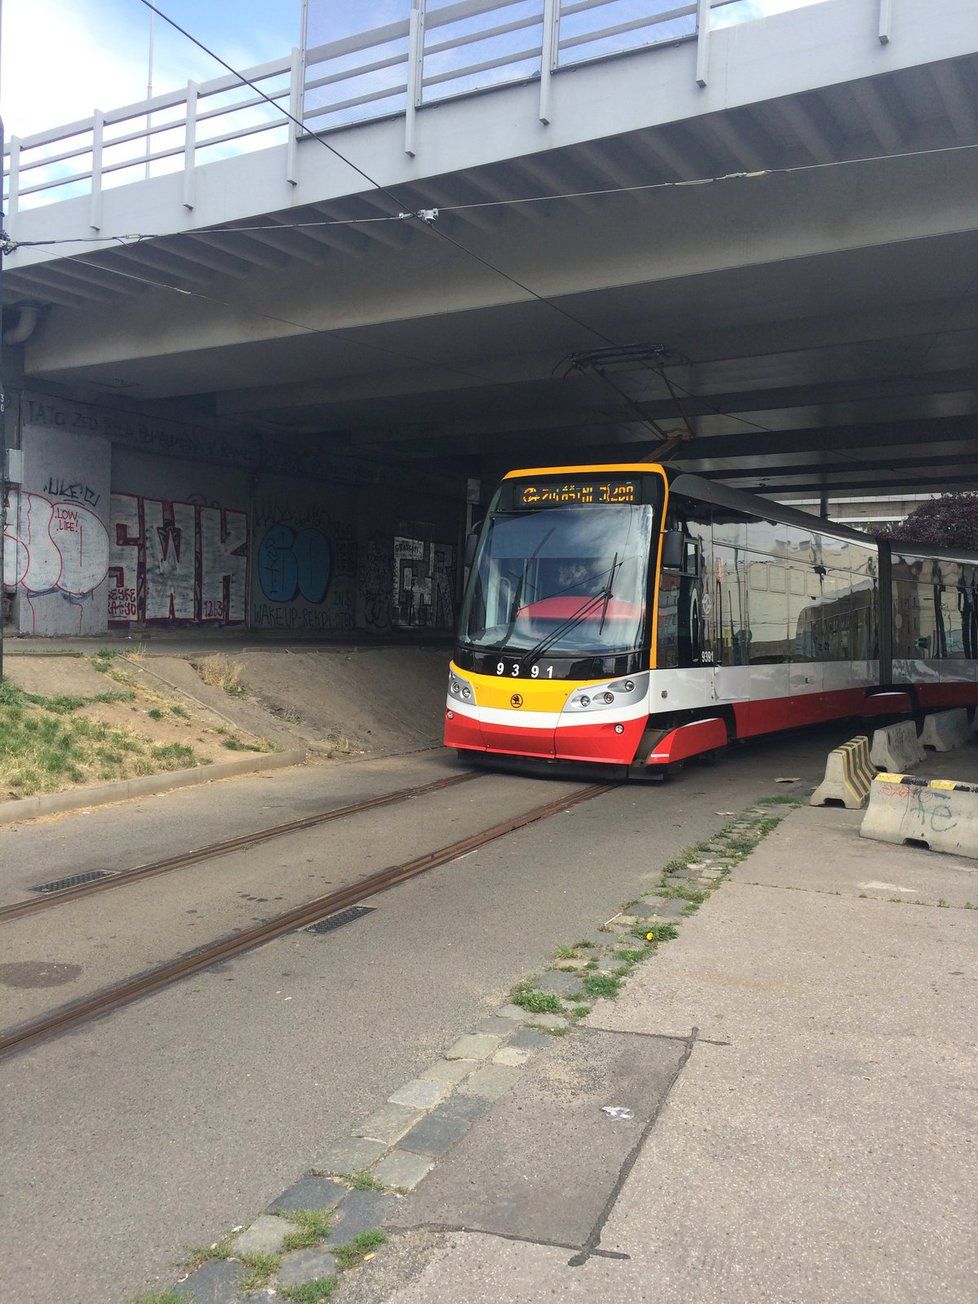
pixel 634 616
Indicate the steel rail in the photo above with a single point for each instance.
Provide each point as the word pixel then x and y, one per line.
pixel 244 841
pixel 79 1012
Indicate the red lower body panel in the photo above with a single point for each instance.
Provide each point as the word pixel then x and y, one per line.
pixel 584 742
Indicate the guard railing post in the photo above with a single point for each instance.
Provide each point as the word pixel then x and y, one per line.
pixel 415 72
pixel 95 209
pixel 703 8
pixel 190 149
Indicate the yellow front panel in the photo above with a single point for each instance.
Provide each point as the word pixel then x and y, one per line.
pixel 537 694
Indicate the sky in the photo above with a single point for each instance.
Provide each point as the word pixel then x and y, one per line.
pixel 61 59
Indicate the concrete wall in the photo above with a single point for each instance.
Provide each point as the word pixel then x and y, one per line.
pixel 56 541
pixel 119 525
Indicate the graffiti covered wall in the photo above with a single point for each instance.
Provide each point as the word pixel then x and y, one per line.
pixel 123 520
pixel 305 559
pixel 56 543
pixel 176 563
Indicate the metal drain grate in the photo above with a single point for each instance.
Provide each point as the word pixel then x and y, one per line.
pixel 340 918
pixel 73 881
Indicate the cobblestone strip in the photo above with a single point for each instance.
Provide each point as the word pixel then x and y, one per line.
pixel 329 1220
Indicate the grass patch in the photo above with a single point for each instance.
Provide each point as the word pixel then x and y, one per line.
pixel 601 984
pixel 314 1225
pixel 350 1255
pixel 310 1292
pixel 220 671
pixel 565 953
pixel 167 1296
pixel 579 1011
pixel 262 1266
pixel 46 747
pixel 155 713
pixel 536 1002
pixel 181 711
pixel 238 745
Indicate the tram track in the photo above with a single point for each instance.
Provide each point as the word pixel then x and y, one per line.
pixel 243 842
pixel 74 1015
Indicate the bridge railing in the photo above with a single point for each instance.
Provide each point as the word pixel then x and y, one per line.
pixel 442 49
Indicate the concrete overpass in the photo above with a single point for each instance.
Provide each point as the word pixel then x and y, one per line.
pixel 768 230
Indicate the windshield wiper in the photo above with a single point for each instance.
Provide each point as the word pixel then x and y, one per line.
pixel 608 594
pixel 587 607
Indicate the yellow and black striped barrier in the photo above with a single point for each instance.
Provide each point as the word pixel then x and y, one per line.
pixel 848 776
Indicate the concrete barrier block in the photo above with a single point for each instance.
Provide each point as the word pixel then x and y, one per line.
pixel 939 814
pixel 848 776
pixel 897 747
pixel 945 730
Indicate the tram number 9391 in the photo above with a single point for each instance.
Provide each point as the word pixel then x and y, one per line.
pixel 515 670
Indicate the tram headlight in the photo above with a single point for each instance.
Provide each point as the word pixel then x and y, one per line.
pixel 599 697
pixel 460 688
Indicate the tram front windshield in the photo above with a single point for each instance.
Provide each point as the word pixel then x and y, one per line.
pixel 573 579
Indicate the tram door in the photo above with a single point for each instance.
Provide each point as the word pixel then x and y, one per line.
pixel 731 672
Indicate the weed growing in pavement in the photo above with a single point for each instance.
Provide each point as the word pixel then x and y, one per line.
pixel 200 1254
pixel 167 1296
pixel 314 1225
pixel 584 946
pixel 630 956
pixel 364 1181
pixel 682 894
pixel 579 1011
pixel 318 1291
pixel 655 933
pixel 681 861
pixel 536 1002
pixel 565 953
pixel 601 984
pixel 262 1266
pixel 352 1254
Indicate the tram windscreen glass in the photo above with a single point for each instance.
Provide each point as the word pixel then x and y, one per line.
pixel 573 578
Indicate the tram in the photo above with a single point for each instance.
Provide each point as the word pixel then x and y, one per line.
pixel 632 615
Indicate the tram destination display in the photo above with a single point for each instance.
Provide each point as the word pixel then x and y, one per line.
pixel 569 493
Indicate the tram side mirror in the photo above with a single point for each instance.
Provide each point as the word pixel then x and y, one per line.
pixel 471 543
pixel 673 550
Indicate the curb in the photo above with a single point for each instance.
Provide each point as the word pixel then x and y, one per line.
pixel 147 785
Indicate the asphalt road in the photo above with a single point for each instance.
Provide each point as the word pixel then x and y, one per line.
pixel 169 1122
